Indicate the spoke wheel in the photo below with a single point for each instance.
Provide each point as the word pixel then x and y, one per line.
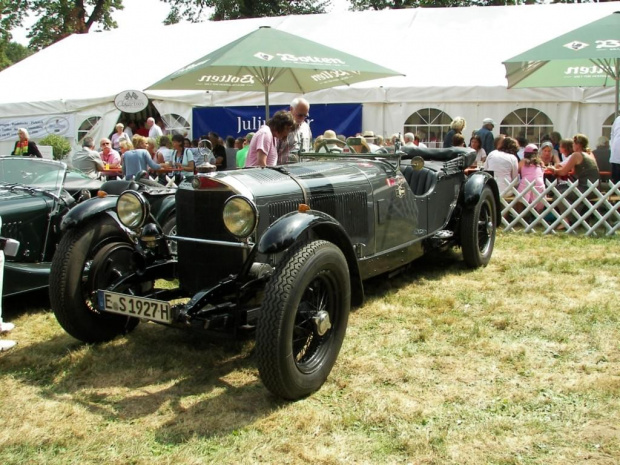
pixel 478 228
pixel 89 258
pixel 303 320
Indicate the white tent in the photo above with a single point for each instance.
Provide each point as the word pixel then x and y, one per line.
pixel 452 59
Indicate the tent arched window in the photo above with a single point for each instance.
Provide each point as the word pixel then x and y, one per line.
pixel 607 124
pixel 87 125
pixel 431 124
pixel 176 124
pixel 530 123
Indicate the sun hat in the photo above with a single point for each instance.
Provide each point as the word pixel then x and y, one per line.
pixel 488 121
pixel 368 135
pixel 546 144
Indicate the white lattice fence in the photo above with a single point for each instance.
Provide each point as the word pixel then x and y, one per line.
pixel 595 211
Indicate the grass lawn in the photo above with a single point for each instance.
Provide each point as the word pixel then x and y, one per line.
pixel 516 363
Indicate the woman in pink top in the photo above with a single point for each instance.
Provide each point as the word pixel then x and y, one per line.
pixel 531 169
pixel 263 148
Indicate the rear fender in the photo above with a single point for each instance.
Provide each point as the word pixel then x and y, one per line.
pixel 473 189
pixel 292 227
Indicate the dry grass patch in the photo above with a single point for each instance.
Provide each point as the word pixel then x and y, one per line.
pixel 517 363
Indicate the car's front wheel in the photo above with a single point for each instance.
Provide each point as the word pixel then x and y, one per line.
pixel 303 319
pixel 478 228
pixel 88 258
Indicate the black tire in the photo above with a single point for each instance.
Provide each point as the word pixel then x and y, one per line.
pixel 478 228
pixel 312 281
pixel 88 258
pixel 170 229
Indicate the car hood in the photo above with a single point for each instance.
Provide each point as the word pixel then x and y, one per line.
pixel 316 178
pixel 17 204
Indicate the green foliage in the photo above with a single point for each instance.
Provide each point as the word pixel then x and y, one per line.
pixel 194 10
pixel 60 145
pixel 11 53
pixel 57 19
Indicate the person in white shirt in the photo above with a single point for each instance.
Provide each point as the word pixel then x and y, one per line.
pixel 300 138
pixel 409 139
pixel 614 145
pixel 504 164
pixel 154 130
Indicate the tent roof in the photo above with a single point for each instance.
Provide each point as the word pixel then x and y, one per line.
pixel 433 47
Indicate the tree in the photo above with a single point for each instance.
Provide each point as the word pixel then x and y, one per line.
pixel 57 19
pixel 12 53
pixel 195 10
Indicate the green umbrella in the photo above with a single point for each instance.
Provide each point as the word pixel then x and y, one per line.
pixel 272 60
pixel 588 56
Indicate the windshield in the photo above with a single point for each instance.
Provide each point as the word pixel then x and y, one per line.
pixel 32 172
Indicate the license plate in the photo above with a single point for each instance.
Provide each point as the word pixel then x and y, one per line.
pixel 138 307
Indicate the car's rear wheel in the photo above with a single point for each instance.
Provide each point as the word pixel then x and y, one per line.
pixel 88 258
pixel 303 319
pixel 478 228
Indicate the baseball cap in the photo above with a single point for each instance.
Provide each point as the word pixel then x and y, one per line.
pixel 530 148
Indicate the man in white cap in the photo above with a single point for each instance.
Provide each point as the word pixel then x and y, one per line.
pixel 371 140
pixel 486 135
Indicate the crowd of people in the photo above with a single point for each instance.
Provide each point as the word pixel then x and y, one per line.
pixel 288 133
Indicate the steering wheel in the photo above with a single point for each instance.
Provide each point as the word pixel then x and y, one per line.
pixel 325 143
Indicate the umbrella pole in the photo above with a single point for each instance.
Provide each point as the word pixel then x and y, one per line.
pixel 267 102
pixel 617 72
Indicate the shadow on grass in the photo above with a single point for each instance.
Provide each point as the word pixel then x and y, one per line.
pixel 432 266
pixel 178 383
pixel 199 387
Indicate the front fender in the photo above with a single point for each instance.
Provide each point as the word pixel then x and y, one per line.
pixel 289 228
pixel 86 210
pixel 286 230
pixel 473 189
pixel 164 208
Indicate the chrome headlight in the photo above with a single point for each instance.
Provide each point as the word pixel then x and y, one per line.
pixel 132 209
pixel 240 216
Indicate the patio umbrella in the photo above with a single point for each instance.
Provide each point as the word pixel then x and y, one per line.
pixel 272 60
pixel 588 56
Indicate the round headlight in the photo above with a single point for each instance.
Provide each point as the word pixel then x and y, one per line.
pixel 240 216
pixel 132 209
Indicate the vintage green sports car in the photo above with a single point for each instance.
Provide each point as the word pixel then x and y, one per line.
pixel 279 253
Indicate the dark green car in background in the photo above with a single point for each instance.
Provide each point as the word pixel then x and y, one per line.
pixel 35 194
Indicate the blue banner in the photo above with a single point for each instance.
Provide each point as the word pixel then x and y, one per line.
pixel 343 118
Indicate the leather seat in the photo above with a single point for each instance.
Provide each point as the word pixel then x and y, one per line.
pixel 118 187
pixel 420 181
